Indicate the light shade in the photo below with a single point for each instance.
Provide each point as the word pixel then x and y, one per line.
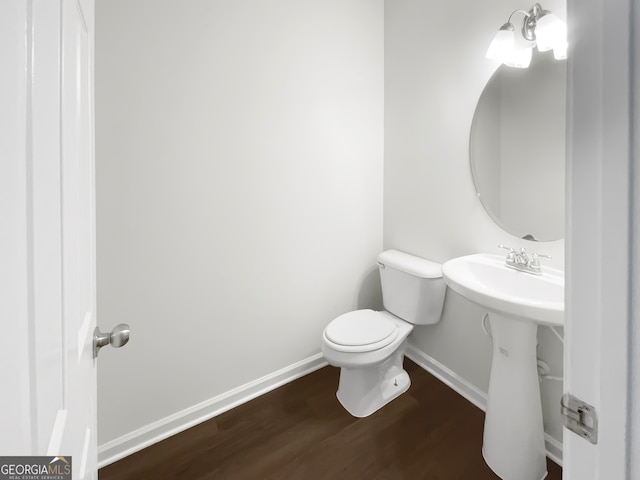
pixel 503 44
pixel 560 51
pixel 551 32
pixel 520 58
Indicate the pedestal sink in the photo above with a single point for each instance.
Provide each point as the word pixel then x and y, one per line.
pixel 517 302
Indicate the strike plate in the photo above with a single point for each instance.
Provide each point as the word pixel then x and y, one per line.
pixel 579 417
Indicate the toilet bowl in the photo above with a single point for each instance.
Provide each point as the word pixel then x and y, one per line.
pixel 369 345
pixel 371 370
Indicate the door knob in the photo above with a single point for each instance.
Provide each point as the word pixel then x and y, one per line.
pixel 117 338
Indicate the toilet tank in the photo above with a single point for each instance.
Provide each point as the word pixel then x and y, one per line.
pixel 412 287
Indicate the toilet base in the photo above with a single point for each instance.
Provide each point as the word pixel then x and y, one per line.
pixel 364 390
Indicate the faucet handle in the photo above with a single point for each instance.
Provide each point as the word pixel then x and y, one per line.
pixel 511 256
pixel 535 263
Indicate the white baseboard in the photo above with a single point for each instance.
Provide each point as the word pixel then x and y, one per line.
pixel 470 392
pixel 180 421
pixel 448 377
pixel 554 448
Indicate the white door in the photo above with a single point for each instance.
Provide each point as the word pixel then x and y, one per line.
pixel 600 251
pixel 78 236
pixel 47 244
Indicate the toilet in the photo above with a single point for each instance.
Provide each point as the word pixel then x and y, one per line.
pixel 369 346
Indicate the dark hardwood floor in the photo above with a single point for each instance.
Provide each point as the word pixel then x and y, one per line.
pixel 300 431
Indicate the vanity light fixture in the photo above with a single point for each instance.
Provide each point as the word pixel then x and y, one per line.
pixel 540 28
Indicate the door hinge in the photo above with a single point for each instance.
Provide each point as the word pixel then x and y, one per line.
pixel 579 417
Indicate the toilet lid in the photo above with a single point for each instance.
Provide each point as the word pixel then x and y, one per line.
pixel 360 328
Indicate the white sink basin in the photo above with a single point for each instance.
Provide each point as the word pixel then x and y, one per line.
pixel 486 280
pixel 513 438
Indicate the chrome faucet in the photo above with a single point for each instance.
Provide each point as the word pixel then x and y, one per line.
pixel 522 261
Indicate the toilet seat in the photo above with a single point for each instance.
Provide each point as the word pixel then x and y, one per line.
pixel 360 331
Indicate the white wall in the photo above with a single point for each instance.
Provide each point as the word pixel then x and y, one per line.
pixel 239 190
pixel 435 71
pixel 239 164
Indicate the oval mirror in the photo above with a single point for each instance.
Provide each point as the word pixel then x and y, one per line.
pixel 517 148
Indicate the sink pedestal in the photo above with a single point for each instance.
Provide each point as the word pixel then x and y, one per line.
pixel 513 443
